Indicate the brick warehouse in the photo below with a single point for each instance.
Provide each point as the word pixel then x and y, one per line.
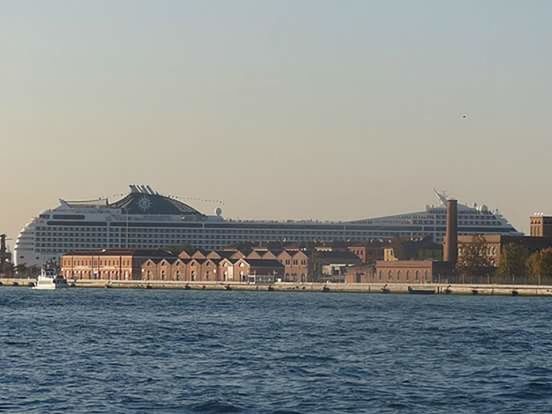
pixel 112 264
pixel 129 264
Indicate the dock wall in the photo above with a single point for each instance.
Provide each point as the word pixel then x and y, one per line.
pixel 377 288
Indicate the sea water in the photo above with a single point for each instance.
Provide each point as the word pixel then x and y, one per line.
pixel 145 351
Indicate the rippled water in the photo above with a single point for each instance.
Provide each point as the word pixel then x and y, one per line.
pixel 132 351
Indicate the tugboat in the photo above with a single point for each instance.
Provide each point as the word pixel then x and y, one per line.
pixel 49 280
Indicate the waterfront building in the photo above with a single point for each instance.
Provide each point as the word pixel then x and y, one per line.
pixel 184 254
pixel 367 251
pixel 147 219
pixel 411 271
pixel 493 244
pixel 364 253
pixel 212 270
pixel 412 250
pixel 397 269
pixel 113 264
pixel 263 270
pixel 160 265
pixel 540 225
pixel 296 265
pixel 261 254
pixel 332 265
pixel 362 273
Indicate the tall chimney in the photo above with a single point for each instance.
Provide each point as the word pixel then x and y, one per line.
pixel 3 252
pixel 450 253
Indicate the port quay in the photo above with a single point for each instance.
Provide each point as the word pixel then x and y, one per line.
pixel 376 288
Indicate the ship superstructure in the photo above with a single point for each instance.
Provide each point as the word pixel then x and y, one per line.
pixel 147 219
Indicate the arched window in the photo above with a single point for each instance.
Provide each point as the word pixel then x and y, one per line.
pixel 417 275
pixel 407 275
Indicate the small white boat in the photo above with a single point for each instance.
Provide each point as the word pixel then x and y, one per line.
pixel 49 280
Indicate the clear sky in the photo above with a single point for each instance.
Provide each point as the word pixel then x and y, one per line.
pixel 323 109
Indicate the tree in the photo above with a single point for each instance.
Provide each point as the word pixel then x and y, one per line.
pixel 21 270
pixel 534 267
pixel 34 271
pixel 6 269
pixel 9 268
pixel 540 266
pixel 473 260
pixel 546 265
pixel 513 262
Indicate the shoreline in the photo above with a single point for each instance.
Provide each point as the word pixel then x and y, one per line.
pixel 366 288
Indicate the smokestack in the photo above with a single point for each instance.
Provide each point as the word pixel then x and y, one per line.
pixel 3 252
pixel 450 253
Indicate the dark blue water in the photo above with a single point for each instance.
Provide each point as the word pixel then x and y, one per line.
pixel 142 351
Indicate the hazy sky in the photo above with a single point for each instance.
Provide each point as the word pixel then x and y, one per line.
pixel 283 109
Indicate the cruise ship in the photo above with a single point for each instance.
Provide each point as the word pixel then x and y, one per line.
pixel 146 219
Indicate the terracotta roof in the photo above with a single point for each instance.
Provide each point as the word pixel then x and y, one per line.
pixel 170 260
pixel 149 253
pixel 337 254
pixel 204 252
pixel 264 263
pixel 200 261
pixel 225 253
pixel 154 260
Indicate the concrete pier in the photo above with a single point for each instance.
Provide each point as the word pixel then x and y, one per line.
pixel 377 288
pixel 10 281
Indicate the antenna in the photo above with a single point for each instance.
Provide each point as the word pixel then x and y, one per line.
pixel 441 195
